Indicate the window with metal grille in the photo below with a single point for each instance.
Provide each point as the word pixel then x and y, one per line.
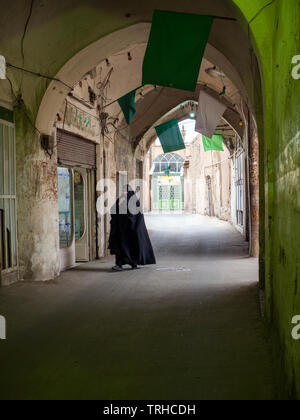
pixel 168 161
pixel 8 229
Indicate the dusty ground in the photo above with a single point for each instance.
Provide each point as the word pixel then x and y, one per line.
pixel 147 334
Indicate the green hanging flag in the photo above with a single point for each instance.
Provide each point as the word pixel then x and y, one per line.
pixel 170 136
pixel 215 143
pixel 127 104
pixel 175 49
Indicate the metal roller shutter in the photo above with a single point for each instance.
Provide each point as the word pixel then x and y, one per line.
pixel 75 151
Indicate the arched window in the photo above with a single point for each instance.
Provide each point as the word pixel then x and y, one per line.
pixel 170 161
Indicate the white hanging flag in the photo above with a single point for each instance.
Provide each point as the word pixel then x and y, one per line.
pixel 210 111
pixel 2 68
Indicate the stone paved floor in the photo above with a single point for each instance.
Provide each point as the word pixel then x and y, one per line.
pixel 195 333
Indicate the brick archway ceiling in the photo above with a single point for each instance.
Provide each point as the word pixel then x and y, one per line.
pixel 156 104
pixel 101 37
pixel 183 114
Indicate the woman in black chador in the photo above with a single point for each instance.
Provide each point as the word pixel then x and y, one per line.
pixel 129 240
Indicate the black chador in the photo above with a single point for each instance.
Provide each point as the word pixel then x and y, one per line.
pixel 129 240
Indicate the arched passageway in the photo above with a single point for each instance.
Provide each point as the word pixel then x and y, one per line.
pixel 254 49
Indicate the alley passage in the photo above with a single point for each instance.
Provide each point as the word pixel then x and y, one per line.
pixel 189 328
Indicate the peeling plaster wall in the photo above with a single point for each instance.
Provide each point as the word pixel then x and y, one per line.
pixel 37 193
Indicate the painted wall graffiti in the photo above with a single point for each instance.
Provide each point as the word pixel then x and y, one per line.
pixel 81 123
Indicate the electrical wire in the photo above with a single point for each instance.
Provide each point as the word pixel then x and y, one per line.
pixel 20 103
pixel 23 37
pixel 39 75
pixel 260 11
pixel 25 31
pixel 257 14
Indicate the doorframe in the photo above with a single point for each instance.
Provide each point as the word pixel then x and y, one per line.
pixel 69 253
pixel 90 214
pixel 86 206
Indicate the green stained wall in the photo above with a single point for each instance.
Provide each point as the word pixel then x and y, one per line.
pixel 285 234
pixel 276 32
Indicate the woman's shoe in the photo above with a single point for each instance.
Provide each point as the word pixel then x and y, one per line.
pixel 117 268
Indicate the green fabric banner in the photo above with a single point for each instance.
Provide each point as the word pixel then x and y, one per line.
pixel 175 49
pixel 127 104
pixel 215 143
pixel 170 136
pixel 6 115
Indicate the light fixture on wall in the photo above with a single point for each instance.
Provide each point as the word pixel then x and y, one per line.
pixel 192 115
pixel 213 72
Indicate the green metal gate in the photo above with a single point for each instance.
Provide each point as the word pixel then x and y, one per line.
pixel 167 197
pixel 168 182
pixel 170 197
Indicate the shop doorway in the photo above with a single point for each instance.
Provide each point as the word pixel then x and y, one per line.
pixel 82 214
pixel 75 187
pixel 77 199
